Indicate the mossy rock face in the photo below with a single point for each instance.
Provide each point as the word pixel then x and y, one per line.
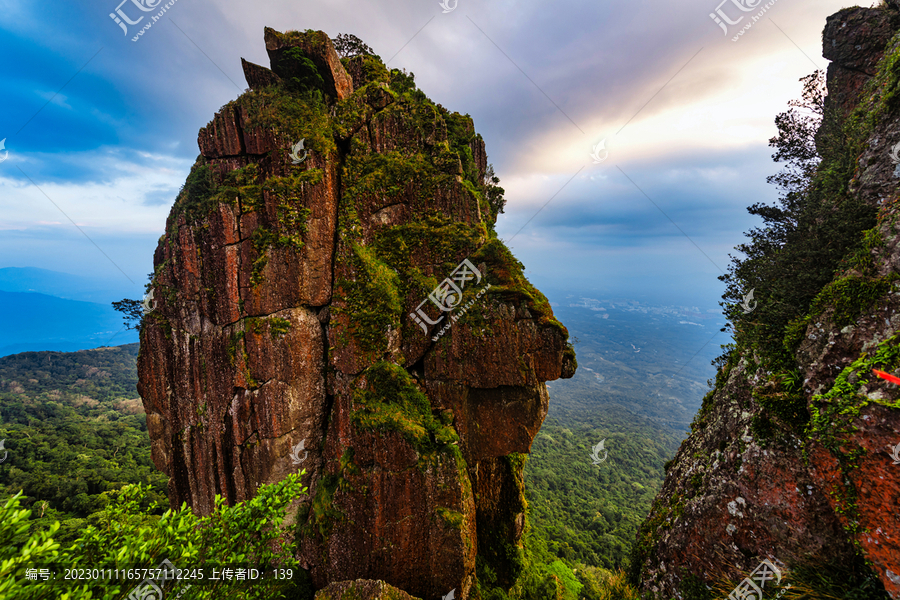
pixel 329 203
pixel 834 411
pixel 391 401
pixel 365 69
pixel 305 58
pixel 362 589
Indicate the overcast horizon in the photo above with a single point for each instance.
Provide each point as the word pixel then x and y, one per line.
pixel 102 131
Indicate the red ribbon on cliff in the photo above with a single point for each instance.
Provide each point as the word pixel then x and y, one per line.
pixel 887 376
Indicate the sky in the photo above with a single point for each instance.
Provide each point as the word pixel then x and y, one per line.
pixel 101 131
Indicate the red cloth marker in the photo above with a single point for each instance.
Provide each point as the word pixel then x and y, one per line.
pixel 887 376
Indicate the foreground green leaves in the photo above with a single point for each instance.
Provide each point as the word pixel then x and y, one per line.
pixel 250 534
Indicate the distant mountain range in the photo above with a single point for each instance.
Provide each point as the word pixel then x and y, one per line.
pixel 49 310
pixel 67 286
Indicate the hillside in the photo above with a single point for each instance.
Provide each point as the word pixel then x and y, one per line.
pixel 74 428
pixel 639 403
pixel 651 361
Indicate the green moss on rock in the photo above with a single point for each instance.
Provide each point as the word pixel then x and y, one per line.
pixel 833 412
pixel 507 278
pixel 323 514
pixel 291 218
pixel 833 415
pixel 291 116
pixel 195 197
pixel 846 298
pixel 372 297
pixel 451 518
pixel 278 327
pixel 391 401
pixel 388 175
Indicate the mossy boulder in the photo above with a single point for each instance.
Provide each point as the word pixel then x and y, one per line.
pixel 362 589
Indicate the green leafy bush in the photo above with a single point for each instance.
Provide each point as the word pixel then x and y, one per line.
pixel 250 534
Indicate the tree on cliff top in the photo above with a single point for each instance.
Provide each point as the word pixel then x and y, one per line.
pixel 814 225
pixel 348 45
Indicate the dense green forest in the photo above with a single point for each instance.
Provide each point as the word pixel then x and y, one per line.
pixel 76 433
pixel 589 513
pixel 74 427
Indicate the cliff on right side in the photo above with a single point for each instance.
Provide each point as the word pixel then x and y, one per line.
pixel 794 456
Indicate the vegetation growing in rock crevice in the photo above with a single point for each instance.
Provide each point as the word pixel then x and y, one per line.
pixel 833 415
pixel 276 326
pixel 507 278
pixel 321 515
pixel 291 218
pixel 784 406
pixel 451 518
pixel 845 300
pixel 391 401
pixel 373 301
pixel 834 410
pixel 501 561
pixel 304 77
pixel 198 188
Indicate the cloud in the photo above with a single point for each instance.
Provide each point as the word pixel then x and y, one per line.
pixel 686 114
